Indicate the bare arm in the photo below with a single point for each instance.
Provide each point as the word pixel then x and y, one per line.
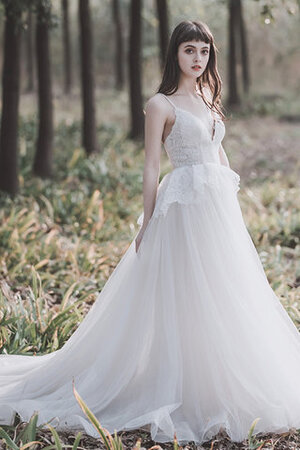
pixel 223 156
pixel 156 115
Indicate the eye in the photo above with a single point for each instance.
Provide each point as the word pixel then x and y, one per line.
pixel 188 49
pixel 205 51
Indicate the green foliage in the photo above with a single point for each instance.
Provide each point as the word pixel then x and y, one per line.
pixel 25 438
pixel 253 443
pixel 17 9
pixel 276 105
pixel 43 9
pixel 28 435
pixel 29 324
pixel 57 237
pixel 110 442
pixel 268 9
pixel 273 221
pixel 14 9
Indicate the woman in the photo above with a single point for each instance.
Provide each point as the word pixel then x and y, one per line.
pixel 187 335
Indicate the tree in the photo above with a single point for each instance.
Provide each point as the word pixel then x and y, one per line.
pixel 233 96
pixel 89 130
pixel 119 50
pixel 29 52
pixel 244 54
pixel 44 147
pixel 10 98
pixel 134 64
pixel 67 47
pixel 162 12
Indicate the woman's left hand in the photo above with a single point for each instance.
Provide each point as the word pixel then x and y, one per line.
pixel 139 238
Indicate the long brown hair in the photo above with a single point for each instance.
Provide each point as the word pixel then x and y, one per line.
pixel 188 30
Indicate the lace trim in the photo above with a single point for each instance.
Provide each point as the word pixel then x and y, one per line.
pixel 187 184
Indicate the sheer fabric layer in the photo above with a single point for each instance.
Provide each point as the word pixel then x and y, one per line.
pixel 186 335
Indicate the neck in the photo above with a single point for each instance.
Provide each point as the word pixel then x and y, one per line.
pixel 188 86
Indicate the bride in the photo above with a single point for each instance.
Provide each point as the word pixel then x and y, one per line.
pixel 187 335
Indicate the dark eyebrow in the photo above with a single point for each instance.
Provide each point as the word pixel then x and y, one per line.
pixel 191 45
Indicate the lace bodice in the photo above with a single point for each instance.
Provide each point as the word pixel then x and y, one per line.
pixel 190 141
pixel 197 171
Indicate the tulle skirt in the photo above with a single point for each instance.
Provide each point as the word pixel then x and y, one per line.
pixel 186 336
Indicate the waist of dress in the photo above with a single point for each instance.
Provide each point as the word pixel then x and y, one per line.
pixel 189 183
pixel 209 165
pixel 204 171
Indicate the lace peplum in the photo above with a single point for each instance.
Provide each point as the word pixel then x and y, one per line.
pixel 194 155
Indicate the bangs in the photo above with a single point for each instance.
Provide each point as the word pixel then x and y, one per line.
pixel 194 33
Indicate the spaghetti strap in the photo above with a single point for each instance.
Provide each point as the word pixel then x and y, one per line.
pixel 166 96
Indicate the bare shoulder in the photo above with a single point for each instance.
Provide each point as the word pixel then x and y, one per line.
pixel 157 104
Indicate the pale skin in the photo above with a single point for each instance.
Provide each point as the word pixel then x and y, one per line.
pixel 160 119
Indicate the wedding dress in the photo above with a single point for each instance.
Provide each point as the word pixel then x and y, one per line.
pixel 187 335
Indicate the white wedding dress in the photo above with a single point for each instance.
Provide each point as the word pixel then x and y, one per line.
pixel 187 335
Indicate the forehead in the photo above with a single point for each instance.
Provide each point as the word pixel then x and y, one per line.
pixel 195 44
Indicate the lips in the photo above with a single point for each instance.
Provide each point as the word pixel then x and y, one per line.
pixel 196 67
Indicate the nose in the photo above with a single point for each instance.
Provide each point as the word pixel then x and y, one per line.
pixel 197 57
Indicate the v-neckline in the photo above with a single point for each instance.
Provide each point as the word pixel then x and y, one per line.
pixel 211 133
pixel 193 115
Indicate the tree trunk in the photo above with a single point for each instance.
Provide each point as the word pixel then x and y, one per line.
pixel 233 97
pixel 67 47
pixel 89 130
pixel 10 102
pixel 136 100
pixel 119 51
pixel 243 48
pixel 29 53
pixel 162 12
pixel 44 147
